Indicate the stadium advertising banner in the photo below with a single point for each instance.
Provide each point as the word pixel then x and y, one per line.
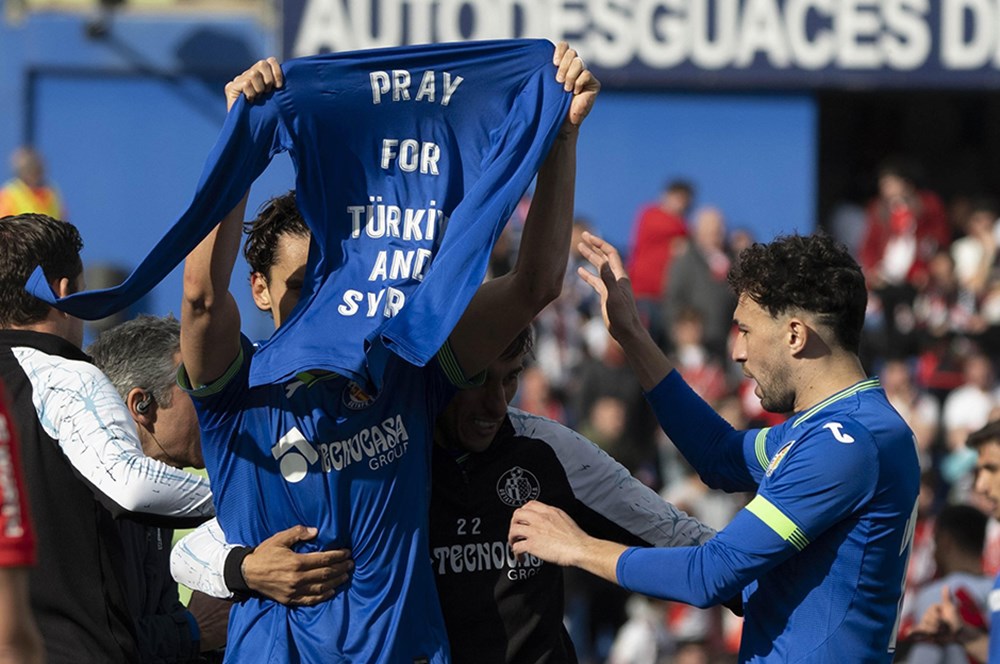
pixel 694 43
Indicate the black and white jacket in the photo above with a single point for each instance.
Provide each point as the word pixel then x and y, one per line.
pixel 83 465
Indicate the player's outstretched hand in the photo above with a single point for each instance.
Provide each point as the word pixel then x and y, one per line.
pixel 262 78
pixel 297 579
pixel 576 78
pixel 545 532
pixel 612 283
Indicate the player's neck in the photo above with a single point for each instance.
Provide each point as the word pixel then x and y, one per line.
pixel 819 380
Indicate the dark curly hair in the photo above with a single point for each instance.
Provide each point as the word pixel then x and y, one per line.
pixel 28 240
pixel 523 344
pixel 278 216
pixel 811 273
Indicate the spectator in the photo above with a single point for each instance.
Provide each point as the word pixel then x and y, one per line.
pixel 608 375
pixel 905 227
pixel 657 235
pixel 958 553
pixel 975 254
pixel 943 309
pixel 967 409
pixel 698 281
pixel 699 367
pixel 29 191
pixel 919 410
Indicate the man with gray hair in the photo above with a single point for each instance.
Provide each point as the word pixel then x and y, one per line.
pixel 141 357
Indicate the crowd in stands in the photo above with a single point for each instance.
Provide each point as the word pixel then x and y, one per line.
pixel 932 332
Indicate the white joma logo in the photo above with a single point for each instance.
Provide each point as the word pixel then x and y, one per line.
pixel 835 429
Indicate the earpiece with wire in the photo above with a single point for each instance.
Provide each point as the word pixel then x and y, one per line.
pixel 142 407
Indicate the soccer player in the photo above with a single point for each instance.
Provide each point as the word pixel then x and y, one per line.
pixel 944 622
pixel 489 459
pixel 820 552
pixel 321 451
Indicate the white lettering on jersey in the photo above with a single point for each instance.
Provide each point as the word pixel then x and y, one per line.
pixel 836 429
pixel 410 154
pixel 376 446
pixel 399 81
pixel 484 557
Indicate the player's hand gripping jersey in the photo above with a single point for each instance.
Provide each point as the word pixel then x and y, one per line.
pixel 827 537
pixel 390 147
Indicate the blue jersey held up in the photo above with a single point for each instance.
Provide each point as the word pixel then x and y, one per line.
pixel 820 553
pixel 403 157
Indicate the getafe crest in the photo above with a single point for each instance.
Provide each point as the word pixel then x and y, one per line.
pixel 356 398
pixel 517 486
pixel 778 456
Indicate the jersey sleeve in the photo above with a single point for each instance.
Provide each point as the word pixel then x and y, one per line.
pixel 17 540
pixel 79 408
pixel 818 482
pixel 722 456
pixel 226 397
pixel 198 561
pixel 610 503
pixel 820 479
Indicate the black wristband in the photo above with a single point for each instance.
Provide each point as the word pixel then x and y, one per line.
pixel 233 573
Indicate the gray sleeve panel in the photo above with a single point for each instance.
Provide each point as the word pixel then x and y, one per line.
pixel 606 487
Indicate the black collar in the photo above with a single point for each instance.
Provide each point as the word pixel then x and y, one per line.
pixel 43 341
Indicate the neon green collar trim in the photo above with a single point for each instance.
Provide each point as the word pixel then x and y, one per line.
pixel 863 386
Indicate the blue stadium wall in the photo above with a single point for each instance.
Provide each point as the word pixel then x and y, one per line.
pixel 126 119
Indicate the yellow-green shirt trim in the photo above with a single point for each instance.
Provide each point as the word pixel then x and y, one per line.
pixel 774 519
pixel 215 386
pixel 863 386
pixel 760 447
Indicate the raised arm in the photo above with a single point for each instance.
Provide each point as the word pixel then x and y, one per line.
pixel 717 451
pixel 504 306
pixel 620 313
pixel 210 319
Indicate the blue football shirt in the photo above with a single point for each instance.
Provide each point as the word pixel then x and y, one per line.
pixel 319 451
pixel 820 553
